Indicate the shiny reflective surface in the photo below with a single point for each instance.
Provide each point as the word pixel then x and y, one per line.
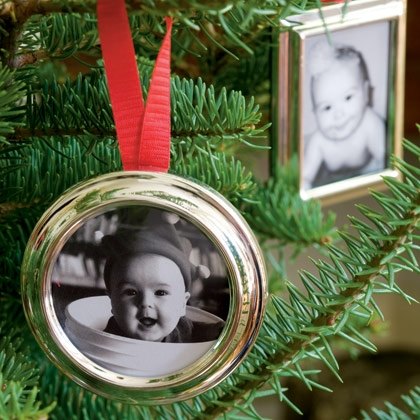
pixel 216 218
pixel 290 85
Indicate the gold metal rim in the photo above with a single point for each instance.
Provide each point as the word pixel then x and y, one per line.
pixel 217 219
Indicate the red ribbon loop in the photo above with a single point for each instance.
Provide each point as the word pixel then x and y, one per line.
pixel 143 133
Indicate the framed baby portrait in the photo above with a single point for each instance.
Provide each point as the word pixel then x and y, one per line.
pixel 339 96
pixel 144 287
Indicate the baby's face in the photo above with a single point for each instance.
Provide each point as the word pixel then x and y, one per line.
pixel 340 100
pixel 148 296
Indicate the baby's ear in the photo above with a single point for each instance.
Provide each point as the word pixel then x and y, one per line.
pixel 184 309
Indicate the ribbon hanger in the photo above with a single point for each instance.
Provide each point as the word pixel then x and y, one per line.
pixel 143 131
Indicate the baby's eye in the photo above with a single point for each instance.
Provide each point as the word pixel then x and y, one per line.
pixel 349 97
pixel 161 292
pixel 129 292
pixel 326 108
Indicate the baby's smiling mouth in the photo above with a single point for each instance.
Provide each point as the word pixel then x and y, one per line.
pixel 147 321
pixel 341 126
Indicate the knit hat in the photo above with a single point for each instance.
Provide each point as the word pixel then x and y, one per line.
pixel 156 235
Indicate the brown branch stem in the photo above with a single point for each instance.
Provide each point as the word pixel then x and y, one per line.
pixel 24 133
pixel 7 208
pixel 22 60
pixel 20 10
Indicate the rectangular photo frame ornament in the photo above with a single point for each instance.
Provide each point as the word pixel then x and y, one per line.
pixel 338 96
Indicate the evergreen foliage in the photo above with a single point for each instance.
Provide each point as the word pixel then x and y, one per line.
pixel 18 381
pixel 412 401
pixel 56 129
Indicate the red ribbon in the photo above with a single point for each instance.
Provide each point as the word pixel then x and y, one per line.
pixel 143 132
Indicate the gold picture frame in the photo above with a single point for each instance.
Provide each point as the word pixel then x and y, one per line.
pixel 70 326
pixel 341 163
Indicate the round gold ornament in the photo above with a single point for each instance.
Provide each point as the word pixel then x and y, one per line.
pixel 144 287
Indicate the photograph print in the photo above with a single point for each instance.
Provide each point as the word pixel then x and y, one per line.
pixel 140 291
pixel 345 104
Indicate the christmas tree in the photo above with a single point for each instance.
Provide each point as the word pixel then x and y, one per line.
pixel 57 129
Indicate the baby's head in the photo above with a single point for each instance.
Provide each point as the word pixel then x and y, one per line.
pixel 148 275
pixel 340 88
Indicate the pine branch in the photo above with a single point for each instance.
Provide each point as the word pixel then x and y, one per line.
pixel 79 404
pixel 203 121
pixel 56 37
pixel 224 24
pixel 412 401
pixel 11 92
pixel 60 36
pixel 70 135
pixel 298 328
pixel 24 135
pixel 200 116
pixel 248 73
pixel 18 379
pixel 43 171
pixel 15 228
pixel 20 10
pixel 225 175
pixel 281 214
pixel 33 176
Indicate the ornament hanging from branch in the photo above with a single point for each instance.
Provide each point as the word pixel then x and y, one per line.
pixel 140 285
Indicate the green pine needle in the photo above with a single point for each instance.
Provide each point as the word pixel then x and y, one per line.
pixel 57 129
pixel 412 403
pixel 11 93
pixel 18 381
pixel 282 214
pixel 293 318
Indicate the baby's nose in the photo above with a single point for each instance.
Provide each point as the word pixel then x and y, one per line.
pixel 339 112
pixel 145 300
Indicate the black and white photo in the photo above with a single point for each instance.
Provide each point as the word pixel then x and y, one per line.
pixel 338 89
pixel 144 287
pixel 131 282
pixel 345 111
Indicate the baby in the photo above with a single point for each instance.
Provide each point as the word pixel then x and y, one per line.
pixel 350 136
pixel 147 276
